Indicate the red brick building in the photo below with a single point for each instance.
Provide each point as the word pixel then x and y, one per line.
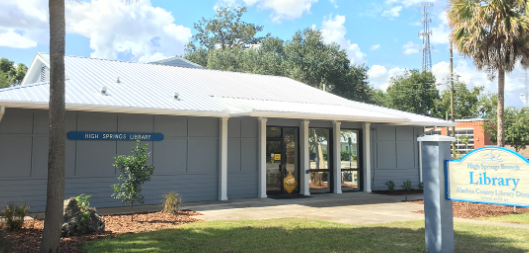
pixel 477 136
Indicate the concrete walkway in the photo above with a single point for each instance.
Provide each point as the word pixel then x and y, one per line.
pixel 352 208
pixel 356 208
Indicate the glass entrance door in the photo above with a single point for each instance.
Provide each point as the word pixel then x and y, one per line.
pixel 282 166
pixel 320 160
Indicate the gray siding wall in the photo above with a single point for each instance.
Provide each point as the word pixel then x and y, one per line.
pixel 242 158
pixel 185 161
pixel 395 155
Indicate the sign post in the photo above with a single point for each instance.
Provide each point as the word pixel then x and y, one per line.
pixel 439 222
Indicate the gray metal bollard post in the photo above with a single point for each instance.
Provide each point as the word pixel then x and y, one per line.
pixel 439 222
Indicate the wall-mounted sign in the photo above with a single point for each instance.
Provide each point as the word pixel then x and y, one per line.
pixel 290 183
pixel 490 175
pixel 112 136
pixel 277 157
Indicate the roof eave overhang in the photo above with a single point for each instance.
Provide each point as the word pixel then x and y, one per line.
pixel 429 124
pixel 127 110
pixel 311 116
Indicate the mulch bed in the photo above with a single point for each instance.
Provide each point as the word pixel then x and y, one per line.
pixel 398 192
pixel 28 238
pixel 478 210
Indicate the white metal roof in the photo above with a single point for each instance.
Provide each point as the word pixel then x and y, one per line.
pixel 149 88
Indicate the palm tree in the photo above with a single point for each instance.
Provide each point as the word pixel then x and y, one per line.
pixel 495 34
pixel 56 157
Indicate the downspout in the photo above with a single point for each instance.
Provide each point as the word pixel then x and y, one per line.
pixel 2 111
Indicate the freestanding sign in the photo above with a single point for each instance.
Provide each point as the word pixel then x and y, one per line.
pixel 491 175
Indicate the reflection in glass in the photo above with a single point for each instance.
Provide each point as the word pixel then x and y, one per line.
pixel 350 180
pixel 318 151
pixel 290 138
pixel 348 145
pixel 319 182
pixel 273 166
pixel 320 174
pixel 349 160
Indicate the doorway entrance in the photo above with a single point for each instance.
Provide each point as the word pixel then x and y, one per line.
pixel 282 165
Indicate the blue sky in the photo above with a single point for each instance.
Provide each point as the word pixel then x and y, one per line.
pixel 381 34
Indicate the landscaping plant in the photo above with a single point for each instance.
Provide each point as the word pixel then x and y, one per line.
pixel 406 185
pixel 14 215
pixel 421 186
pixel 171 203
pixel 84 205
pixel 391 185
pixel 134 172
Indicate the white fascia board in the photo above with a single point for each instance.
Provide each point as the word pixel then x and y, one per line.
pixel 428 124
pixel 127 110
pixel 310 116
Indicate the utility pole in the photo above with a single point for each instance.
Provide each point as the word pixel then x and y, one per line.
pixel 452 97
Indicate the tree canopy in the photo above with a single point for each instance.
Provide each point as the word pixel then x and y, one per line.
pixel 414 91
pixel 465 102
pixel 11 74
pixel 225 30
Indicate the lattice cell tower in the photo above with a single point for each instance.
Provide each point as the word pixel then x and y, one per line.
pixel 426 33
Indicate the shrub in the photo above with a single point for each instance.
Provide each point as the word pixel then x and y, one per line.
pixel 172 203
pixel 391 185
pixel 134 172
pixel 84 205
pixel 406 185
pixel 421 186
pixel 14 215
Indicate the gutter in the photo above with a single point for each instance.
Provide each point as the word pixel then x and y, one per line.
pixel 327 117
pixel 127 110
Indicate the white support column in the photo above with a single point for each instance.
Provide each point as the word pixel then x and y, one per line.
pixel 262 157
pixel 2 111
pixel 304 157
pixel 366 149
pixel 223 159
pixel 337 168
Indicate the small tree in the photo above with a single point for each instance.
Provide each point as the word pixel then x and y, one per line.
pixel 134 172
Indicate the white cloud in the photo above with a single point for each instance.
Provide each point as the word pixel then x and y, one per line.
pixel 379 76
pixel 335 3
pixel 9 38
pixel 408 3
pixel 514 81
pixel 281 9
pixel 139 30
pixel 393 12
pixel 24 23
pixel 441 32
pixel 375 47
pixel 410 48
pixel 333 30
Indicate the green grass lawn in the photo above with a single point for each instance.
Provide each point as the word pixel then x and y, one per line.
pixel 308 235
pixel 512 218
